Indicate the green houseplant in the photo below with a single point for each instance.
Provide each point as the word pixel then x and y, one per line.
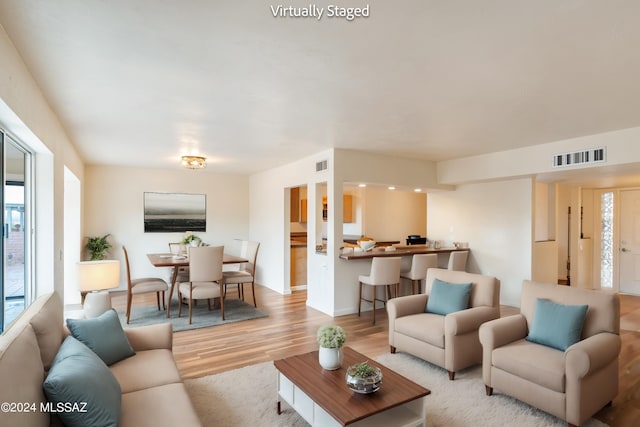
pixel 330 339
pixel 191 239
pixel 98 247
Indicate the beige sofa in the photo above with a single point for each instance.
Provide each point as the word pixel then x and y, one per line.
pixel 450 341
pixel 572 384
pixel 152 391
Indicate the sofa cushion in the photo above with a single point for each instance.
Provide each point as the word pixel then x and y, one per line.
pixel 104 335
pixel 557 325
pixel 146 369
pixel 47 324
pixel 446 298
pixel 167 405
pixel 425 327
pixel 536 363
pixel 78 376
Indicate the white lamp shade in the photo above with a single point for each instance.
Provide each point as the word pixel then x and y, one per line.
pixel 98 275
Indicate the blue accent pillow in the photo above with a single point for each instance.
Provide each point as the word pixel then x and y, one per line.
pixel 557 325
pixel 81 388
pixel 104 335
pixel 447 297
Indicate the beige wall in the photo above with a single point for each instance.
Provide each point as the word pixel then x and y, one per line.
pixel 114 204
pixel 26 115
pixel 393 215
pixel 495 218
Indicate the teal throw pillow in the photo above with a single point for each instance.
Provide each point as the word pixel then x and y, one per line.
pixel 447 297
pixel 557 325
pixel 81 389
pixel 104 335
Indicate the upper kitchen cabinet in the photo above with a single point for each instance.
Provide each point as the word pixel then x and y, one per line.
pixel 347 208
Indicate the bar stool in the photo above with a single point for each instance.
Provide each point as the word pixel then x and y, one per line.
pixel 458 260
pixel 420 263
pixel 384 272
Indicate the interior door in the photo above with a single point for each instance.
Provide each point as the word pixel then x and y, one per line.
pixel 630 241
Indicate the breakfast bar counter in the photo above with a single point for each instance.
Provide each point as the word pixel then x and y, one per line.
pixel 399 251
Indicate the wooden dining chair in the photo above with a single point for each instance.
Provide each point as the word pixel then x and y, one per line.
pixel 177 248
pixel 142 286
pixel 205 278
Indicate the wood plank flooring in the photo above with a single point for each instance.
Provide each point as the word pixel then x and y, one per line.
pixel 291 328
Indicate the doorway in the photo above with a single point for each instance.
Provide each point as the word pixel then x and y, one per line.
pixel 629 276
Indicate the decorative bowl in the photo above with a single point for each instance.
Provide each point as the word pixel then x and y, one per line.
pixel 364 385
pixel 367 244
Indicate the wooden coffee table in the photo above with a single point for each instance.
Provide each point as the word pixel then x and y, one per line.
pixel 322 397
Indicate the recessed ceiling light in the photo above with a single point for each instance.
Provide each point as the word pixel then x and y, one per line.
pixel 362 185
pixel 391 188
pixel 418 190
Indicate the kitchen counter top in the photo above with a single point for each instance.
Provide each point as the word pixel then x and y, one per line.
pixel 400 251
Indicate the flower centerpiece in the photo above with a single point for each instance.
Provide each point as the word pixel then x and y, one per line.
pixel 191 239
pixel 364 378
pixel 330 339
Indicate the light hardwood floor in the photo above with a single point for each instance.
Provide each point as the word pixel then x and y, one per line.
pixel 291 327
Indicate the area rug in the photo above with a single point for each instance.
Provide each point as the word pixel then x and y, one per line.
pixel 235 310
pixel 247 397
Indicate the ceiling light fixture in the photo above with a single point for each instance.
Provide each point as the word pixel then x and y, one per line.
pixel 194 162
pixel 392 188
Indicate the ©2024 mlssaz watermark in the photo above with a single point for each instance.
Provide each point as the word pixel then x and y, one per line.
pixel 318 12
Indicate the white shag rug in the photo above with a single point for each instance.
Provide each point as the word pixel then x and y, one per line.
pixel 247 397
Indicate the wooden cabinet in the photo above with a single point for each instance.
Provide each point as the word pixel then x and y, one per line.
pixel 347 208
pixel 303 210
pixel 298 265
pixel 295 204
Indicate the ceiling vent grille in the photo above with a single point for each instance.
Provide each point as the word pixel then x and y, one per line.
pixel 321 166
pixel 596 155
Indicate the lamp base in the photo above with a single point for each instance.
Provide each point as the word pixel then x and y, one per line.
pixel 96 303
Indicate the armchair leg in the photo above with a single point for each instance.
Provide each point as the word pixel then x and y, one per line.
pixel 392 349
pixel 488 390
pixel 451 375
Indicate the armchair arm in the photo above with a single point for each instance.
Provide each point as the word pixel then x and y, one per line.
pixel 464 321
pixel 151 337
pixel 404 306
pixel 497 333
pixel 505 330
pixel 591 354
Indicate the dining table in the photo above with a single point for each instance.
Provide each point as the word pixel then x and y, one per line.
pixel 177 261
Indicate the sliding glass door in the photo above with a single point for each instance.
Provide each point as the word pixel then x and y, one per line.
pixel 15 194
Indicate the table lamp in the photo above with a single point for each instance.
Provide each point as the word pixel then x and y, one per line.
pixel 95 277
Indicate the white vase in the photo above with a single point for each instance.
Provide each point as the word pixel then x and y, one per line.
pixel 330 358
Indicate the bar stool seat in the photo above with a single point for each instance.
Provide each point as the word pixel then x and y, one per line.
pixel 458 261
pixel 420 263
pixel 384 272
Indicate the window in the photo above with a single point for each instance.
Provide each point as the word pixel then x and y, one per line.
pixel 15 260
pixel 606 258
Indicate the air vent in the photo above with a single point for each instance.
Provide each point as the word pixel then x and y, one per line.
pixel 596 155
pixel 321 166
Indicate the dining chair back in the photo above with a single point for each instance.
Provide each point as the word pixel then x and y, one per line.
pixel 420 263
pixel 205 278
pixel 142 286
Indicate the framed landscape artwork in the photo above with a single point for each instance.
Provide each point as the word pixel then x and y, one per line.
pixel 174 212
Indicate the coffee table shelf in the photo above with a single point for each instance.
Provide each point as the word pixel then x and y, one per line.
pixel 322 397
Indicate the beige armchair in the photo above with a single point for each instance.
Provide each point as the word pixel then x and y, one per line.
pixel 449 341
pixel 572 384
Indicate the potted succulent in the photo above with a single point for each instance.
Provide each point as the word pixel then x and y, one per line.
pixel 98 247
pixel 364 378
pixel 191 239
pixel 330 339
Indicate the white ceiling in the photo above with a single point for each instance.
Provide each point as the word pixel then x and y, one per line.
pixel 141 82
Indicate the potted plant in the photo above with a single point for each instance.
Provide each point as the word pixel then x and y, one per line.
pixel 364 378
pixel 330 339
pixel 98 247
pixel 191 239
